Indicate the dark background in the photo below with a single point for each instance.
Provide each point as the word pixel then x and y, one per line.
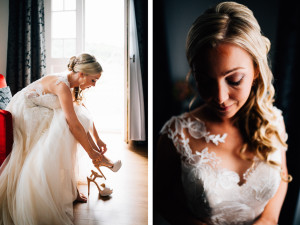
pixel 279 21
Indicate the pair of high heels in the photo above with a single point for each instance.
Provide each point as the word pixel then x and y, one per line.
pixel 103 191
pixel 103 161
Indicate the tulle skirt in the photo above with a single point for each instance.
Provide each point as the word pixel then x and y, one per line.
pixel 38 180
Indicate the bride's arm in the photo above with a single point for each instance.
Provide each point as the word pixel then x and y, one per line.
pixel 272 210
pixel 76 128
pixel 101 146
pixel 99 142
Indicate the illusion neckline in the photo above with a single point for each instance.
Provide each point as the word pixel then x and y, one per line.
pixel 215 139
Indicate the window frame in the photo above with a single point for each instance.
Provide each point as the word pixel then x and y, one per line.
pixel 80 35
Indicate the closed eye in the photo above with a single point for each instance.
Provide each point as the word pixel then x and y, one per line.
pixel 235 82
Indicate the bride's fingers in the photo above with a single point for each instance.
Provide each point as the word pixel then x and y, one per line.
pixel 104 149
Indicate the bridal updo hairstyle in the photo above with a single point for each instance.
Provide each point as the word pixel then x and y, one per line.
pixel 230 22
pixel 86 64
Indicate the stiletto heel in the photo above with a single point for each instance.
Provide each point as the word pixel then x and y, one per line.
pixel 88 181
pixel 101 172
pixel 103 161
pixel 105 192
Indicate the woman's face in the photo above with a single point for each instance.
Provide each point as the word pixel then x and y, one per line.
pixel 88 81
pixel 225 75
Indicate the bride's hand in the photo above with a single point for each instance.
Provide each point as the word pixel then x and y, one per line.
pixel 95 154
pixel 101 146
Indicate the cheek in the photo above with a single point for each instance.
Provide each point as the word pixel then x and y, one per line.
pixel 87 82
pixel 83 81
pixel 243 94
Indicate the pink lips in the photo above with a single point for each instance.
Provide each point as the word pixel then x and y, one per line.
pixel 224 108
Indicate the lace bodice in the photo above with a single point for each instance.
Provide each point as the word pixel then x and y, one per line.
pixel 37 95
pixel 213 192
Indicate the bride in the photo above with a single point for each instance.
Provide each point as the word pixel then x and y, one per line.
pixel 37 180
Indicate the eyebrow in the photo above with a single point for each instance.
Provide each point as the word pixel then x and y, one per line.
pixel 232 70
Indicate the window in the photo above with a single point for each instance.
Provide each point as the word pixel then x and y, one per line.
pixel 96 27
pixel 63 28
pixel 64 32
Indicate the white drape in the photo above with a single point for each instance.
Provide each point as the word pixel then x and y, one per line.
pixel 137 110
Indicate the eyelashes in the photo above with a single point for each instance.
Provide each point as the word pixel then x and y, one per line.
pixel 231 81
pixel 235 83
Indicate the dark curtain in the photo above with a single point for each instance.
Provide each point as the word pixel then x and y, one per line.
pixel 26 57
pixel 286 73
pixel 141 14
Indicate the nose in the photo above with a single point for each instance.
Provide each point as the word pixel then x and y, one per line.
pixel 221 93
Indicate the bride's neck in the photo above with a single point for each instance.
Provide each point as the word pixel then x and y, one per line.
pixel 73 79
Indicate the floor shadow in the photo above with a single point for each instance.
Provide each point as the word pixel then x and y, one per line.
pixel 141 148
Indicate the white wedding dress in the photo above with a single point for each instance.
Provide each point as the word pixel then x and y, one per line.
pixel 212 192
pixel 37 180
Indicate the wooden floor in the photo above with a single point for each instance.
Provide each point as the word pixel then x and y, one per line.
pixel 128 205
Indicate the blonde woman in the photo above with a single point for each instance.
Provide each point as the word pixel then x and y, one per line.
pixel 37 180
pixel 224 162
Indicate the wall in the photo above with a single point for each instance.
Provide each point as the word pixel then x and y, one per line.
pixel 171 22
pixel 4 8
pixel 179 16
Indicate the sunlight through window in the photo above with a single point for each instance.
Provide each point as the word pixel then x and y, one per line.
pixel 100 32
pixel 104 38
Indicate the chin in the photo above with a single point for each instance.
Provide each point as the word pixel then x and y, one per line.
pixel 227 114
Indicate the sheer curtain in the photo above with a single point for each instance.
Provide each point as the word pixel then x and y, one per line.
pixel 136 109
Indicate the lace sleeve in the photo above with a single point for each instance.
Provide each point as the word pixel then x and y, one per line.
pixel 174 130
pixel 63 79
pixel 279 122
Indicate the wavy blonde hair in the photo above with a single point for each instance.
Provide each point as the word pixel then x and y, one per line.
pixel 86 64
pixel 230 22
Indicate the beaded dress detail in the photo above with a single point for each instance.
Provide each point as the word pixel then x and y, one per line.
pixel 38 180
pixel 213 193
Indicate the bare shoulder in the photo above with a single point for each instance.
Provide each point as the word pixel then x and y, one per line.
pixel 51 85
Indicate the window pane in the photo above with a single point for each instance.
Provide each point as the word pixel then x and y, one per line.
pixel 69 48
pixel 57 5
pixel 104 38
pixel 70 5
pixel 100 17
pixel 63 24
pixel 57 49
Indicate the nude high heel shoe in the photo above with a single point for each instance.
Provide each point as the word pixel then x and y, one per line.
pixel 103 161
pixel 105 191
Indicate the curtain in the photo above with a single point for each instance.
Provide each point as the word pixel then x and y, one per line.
pixel 141 18
pixel 286 73
pixel 26 57
pixel 137 110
